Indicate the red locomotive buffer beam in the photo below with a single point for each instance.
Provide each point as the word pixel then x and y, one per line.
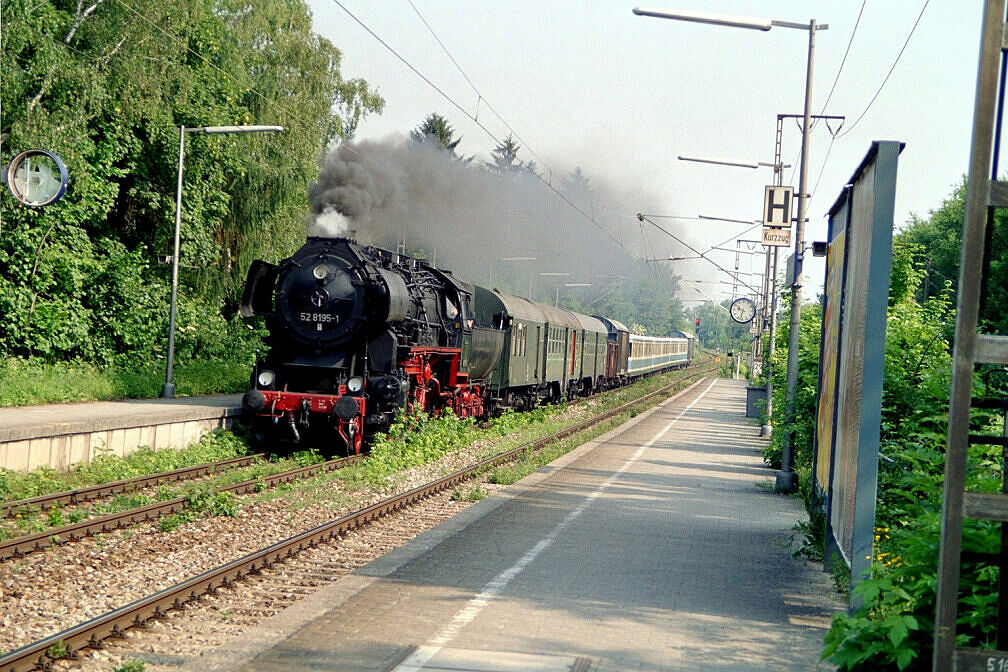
pixel 436 382
pixel 345 412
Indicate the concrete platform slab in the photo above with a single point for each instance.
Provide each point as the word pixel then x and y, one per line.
pixel 61 435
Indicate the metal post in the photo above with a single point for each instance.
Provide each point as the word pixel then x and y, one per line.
pixel 787 480
pixel 767 429
pixel 964 355
pixel 168 389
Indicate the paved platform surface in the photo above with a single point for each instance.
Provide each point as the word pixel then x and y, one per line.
pixel 19 423
pixel 659 546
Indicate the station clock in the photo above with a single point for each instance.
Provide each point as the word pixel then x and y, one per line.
pixel 743 310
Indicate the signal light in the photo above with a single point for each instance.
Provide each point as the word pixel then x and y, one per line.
pixel 698 321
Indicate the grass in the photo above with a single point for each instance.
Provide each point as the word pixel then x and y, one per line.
pixel 473 493
pixel 26 383
pixel 131 666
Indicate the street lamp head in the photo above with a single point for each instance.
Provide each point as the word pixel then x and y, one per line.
pixel 750 22
pixel 221 130
pixel 720 162
pixel 729 219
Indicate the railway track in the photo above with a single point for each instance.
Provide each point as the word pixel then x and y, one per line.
pixel 103 490
pixel 20 546
pixel 42 653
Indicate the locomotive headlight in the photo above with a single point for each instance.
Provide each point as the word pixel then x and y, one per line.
pixel 266 378
pixel 320 272
pixel 355 385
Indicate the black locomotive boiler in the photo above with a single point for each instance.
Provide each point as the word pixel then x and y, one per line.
pixel 358 333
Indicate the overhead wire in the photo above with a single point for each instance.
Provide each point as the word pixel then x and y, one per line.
pixel 891 69
pixel 836 79
pixel 829 97
pixel 838 134
pixel 843 61
pixel 822 167
pixel 702 255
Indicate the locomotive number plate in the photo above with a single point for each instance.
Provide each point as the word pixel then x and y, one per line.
pixel 321 318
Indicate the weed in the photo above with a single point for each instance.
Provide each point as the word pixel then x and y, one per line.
pixel 213 504
pixel 58 650
pixel 304 458
pixel 131 666
pixel 473 494
pixel 201 505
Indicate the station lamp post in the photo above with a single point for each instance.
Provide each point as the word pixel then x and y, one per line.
pixel 787 480
pixel 168 389
pixel 556 275
pixel 513 259
pixel 556 303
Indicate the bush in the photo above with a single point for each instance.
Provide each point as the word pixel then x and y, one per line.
pixel 416 439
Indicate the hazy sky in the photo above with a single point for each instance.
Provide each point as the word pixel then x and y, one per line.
pixel 591 85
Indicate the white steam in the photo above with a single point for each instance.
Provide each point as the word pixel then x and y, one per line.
pixel 330 223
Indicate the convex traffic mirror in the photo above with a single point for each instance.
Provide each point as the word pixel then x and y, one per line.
pixel 37 178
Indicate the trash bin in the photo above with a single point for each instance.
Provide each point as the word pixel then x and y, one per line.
pixel 755 399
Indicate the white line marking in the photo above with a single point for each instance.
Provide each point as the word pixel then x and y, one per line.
pixel 423 654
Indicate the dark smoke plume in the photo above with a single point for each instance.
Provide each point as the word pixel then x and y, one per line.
pixel 466 217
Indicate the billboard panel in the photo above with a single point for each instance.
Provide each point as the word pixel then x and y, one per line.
pixel 829 353
pixel 854 327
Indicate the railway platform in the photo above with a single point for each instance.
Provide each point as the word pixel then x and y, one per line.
pixel 60 435
pixel 659 546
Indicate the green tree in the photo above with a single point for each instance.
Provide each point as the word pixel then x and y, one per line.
pixel 505 159
pixel 938 244
pixel 505 156
pixel 106 86
pixel 436 128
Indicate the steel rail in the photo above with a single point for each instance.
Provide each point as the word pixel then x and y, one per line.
pixel 136 614
pixel 81 495
pixel 30 543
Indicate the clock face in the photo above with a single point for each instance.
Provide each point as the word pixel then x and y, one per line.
pixel 743 310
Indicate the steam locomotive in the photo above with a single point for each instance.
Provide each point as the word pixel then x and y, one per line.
pixel 358 333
